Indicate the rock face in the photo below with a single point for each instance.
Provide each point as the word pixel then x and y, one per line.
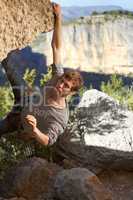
pixel 21 21
pixel 100 136
pixel 97 44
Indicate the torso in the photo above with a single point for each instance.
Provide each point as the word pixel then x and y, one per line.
pixel 54 109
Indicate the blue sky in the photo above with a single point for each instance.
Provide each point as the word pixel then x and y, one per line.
pixel 126 4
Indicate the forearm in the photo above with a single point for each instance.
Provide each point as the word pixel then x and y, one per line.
pixel 56 39
pixel 41 137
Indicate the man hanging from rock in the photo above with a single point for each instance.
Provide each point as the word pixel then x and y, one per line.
pixel 48 119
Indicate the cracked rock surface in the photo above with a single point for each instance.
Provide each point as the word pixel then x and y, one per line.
pixel 103 122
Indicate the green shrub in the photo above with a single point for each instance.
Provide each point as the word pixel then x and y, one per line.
pixel 46 77
pixel 118 91
pixel 6 100
pixel 29 76
pixel 94 13
pixel 119 13
pixel 114 85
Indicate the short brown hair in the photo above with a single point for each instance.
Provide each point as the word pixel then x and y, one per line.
pixel 75 77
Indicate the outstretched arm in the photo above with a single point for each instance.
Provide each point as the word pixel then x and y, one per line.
pixel 57 35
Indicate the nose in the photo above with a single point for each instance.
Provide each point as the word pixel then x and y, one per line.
pixel 61 85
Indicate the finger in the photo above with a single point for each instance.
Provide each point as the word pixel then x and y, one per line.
pixel 53 5
pixel 31 118
pixel 32 123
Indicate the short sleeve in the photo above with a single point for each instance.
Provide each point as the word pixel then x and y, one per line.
pixel 54 130
pixel 57 69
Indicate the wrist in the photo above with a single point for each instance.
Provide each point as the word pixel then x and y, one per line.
pixel 35 131
pixel 58 16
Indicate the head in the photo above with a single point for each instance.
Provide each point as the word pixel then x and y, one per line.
pixel 69 83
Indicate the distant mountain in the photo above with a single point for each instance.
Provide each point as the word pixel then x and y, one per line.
pixel 74 12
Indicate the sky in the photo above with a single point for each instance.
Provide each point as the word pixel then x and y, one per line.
pixel 126 4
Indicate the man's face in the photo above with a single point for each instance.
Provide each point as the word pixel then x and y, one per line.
pixel 64 87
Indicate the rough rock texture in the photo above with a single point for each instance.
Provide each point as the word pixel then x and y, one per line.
pixel 119 183
pixel 36 179
pixel 100 136
pixel 95 44
pixel 104 122
pixel 79 184
pixel 33 179
pixel 21 21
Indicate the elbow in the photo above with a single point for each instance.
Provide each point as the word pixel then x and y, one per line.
pixel 52 140
pixel 55 47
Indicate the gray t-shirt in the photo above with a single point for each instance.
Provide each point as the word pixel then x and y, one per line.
pixel 50 120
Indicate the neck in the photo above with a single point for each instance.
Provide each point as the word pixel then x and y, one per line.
pixel 60 102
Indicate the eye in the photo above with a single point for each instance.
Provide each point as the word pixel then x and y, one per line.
pixel 60 81
pixel 66 85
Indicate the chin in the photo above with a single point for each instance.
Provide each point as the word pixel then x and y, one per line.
pixel 64 95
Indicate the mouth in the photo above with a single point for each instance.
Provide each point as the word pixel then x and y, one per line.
pixel 59 89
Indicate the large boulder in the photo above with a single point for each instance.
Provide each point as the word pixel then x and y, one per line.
pixel 21 21
pixel 32 179
pixel 100 135
pixel 104 123
pixel 79 184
